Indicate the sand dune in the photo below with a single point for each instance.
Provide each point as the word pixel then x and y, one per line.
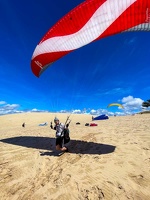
pixel 110 161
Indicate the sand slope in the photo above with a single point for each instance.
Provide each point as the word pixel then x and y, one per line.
pixel 110 161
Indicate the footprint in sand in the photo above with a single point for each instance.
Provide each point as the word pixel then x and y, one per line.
pixel 92 193
pixel 139 179
pixel 74 160
pixel 66 179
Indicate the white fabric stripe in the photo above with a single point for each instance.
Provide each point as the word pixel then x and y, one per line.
pixel 104 16
pixel 144 26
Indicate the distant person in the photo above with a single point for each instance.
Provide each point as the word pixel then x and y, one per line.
pixel 23 125
pixel 92 118
pixel 62 135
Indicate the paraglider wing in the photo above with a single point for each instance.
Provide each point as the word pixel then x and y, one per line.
pixel 88 22
pixel 115 104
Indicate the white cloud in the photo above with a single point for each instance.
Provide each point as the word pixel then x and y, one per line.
pixel 9 109
pixel 2 102
pixel 77 111
pixel 14 108
pixel 118 114
pixel 36 110
pixel 11 106
pixel 100 112
pixel 130 103
pixel 93 112
pixel 63 111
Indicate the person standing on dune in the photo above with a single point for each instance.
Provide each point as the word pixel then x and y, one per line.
pixel 62 135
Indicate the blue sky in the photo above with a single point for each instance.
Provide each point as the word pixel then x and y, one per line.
pixel 114 69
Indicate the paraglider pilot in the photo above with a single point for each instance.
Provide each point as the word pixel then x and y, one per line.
pixel 62 135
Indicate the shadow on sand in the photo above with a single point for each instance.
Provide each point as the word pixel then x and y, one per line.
pixel 46 143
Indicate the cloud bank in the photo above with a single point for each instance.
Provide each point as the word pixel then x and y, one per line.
pixel 130 103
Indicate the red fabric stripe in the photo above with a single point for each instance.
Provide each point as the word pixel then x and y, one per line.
pixel 74 20
pixel 134 15
pixel 45 59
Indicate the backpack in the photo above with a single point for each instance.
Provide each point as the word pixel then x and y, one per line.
pixel 66 135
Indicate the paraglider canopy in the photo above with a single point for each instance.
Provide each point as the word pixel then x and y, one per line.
pixel 88 22
pixel 115 104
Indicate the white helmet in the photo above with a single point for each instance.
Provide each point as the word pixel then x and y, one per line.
pixel 56 119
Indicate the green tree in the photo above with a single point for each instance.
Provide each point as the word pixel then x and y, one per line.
pixel 146 103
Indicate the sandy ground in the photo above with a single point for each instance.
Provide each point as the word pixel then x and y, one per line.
pixel 110 161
